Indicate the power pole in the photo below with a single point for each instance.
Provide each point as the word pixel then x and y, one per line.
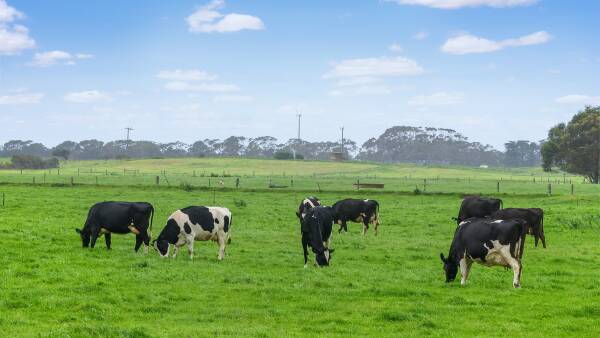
pixel 127 142
pixel 299 117
pixel 342 128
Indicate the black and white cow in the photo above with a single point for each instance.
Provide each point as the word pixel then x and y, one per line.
pixel 534 218
pixel 475 206
pixel 307 204
pixel 316 232
pixel 488 242
pixel 105 218
pixel 359 211
pixel 191 224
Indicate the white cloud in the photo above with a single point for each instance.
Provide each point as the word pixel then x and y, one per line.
pixel 200 87
pixel 208 20
pixel 21 98
pixel 454 4
pixel 233 98
pixel 579 99
pixel 51 58
pixel 87 96
pixel 381 66
pixel 8 14
pixel 14 39
pixel 185 75
pixel 361 90
pixel 422 35
pixel 395 47
pixel 436 99
pixel 354 81
pixel 467 43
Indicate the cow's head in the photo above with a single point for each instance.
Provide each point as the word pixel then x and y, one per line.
pixel 323 259
pixel 450 267
pixel 85 237
pixel 162 246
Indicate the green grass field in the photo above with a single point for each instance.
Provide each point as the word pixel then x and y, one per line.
pixel 386 286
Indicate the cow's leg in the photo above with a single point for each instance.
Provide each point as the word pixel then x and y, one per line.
pixel 222 239
pixel 107 240
pixel 175 250
pixel 515 264
pixel 305 248
pixel 376 226
pixel 146 241
pixel 365 225
pixel 95 233
pixel 138 242
pixel 189 241
pixel 465 268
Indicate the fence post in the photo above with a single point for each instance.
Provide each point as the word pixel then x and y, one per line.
pixel 357 184
pixel 77 171
pixel 237 182
pixel 44 178
pixel 572 189
pixel 33 179
pixel 549 188
pixel 424 184
pixel 498 186
pixel 157 180
pixel 96 180
pixel 106 172
pixel 72 181
pixel 58 171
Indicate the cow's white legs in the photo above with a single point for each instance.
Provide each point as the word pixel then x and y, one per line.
pixel 516 266
pixel 145 249
pixel 175 250
pixel 222 241
pixel 190 246
pixel 465 268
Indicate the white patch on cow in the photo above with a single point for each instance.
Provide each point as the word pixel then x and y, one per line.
pixel 463 223
pixel 104 231
pixel 309 202
pixel 327 255
pixel 498 254
pixel 366 200
pixel 498 221
pixel 133 229
pixel 465 268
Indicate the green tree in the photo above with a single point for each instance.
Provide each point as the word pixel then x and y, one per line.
pixel 575 147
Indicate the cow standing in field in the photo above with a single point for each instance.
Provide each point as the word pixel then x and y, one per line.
pixel 475 206
pixel 105 218
pixel 191 224
pixel 359 211
pixel 533 217
pixel 488 242
pixel 316 231
pixel 307 204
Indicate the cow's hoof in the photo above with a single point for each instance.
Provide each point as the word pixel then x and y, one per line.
pixel 305 266
pixel 516 286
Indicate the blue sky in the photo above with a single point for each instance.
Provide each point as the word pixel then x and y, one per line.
pixel 495 70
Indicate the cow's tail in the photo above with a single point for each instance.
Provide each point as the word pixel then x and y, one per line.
pixel 501 204
pixel 543 237
pixel 151 221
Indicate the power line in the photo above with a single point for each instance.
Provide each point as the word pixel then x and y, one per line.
pixel 127 142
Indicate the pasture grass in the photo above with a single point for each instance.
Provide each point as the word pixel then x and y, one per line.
pixel 386 286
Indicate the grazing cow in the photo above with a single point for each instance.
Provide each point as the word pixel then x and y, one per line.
pixel 488 242
pixel 105 218
pixel 534 218
pixel 359 211
pixel 316 232
pixel 475 206
pixel 307 204
pixel 191 224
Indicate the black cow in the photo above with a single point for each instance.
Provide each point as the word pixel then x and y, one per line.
pixel 105 218
pixel 307 204
pixel 475 206
pixel 488 242
pixel 316 232
pixel 534 217
pixel 359 211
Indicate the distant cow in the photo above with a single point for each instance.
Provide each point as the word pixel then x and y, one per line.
pixel 534 218
pixel 488 242
pixel 307 204
pixel 105 218
pixel 316 232
pixel 191 224
pixel 359 211
pixel 475 206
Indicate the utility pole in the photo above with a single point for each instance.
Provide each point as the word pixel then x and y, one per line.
pixel 342 128
pixel 127 142
pixel 298 144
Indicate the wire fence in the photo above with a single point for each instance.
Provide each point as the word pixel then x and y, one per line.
pixel 512 184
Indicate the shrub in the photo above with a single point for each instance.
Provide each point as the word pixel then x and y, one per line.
pixel 417 191
pixel 186 186
pixel 32 162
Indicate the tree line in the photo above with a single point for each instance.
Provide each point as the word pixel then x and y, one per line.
pixel 397 144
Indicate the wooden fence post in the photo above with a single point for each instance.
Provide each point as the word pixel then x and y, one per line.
pixel 424 184
pixel 96 180
pixel 33 179
pixel 357 184
pixel 549 188
pixel 572 189
pixel 157 180
pixel 72 181
pixel 498 186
